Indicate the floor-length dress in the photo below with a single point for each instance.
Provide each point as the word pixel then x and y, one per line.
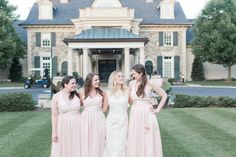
pixel 68 127
pixel 144 139
pixel 116 125
pixel 92 127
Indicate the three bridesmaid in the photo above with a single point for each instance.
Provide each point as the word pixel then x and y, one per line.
pixel 89 135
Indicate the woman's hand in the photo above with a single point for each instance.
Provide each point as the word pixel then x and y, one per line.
pixel 54 137
pixel 157 110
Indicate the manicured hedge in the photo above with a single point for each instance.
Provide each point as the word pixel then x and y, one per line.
pixel 197 101
pixel 16 102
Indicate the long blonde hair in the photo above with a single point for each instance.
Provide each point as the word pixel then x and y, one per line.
pixel 112 83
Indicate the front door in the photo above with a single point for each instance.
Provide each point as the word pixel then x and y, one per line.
pixel 105 68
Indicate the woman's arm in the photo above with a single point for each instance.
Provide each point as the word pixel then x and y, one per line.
pixel 129 92
pixel 161 92
pixel 54 109
pixel 105 102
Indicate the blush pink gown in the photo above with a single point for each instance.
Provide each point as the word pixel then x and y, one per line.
pixel 68 127
pixel 144 139
pixel 92 127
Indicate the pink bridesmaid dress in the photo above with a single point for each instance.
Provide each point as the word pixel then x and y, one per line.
pixel 144 139
pixel 68 128
pixel 92 127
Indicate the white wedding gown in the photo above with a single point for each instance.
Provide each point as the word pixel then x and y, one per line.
pixel 116 125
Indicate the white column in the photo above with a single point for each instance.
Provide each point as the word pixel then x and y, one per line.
pixel 141 55
pixel 70 60
pixel 127 63
pixel 78 62
pixel 85 62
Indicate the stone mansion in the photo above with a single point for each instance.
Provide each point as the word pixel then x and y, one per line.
pixel 100 36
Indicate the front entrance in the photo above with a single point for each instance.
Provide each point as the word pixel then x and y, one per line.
pixel 105 68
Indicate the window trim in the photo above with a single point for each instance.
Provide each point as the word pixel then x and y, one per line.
pixel 171 40
pixel 49 40
pixel 172 66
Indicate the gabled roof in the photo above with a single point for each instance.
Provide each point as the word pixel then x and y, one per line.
pixel 63 13
pixel 106 34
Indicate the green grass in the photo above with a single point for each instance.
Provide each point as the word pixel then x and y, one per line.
pixel 11 84
pixel 204 132
pixel 213 83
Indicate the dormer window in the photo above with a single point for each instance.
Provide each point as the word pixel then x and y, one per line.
pixel 106 4
pixel 45 10
pixel 167 9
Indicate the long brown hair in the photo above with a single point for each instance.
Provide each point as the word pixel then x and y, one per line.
pixel 66 80
pixel 139 68
pixel 88 85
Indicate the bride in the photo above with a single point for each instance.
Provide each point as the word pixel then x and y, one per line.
pixel 117 119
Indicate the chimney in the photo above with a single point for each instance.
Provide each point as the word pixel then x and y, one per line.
pixel 64 1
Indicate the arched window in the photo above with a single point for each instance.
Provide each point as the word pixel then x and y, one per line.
pixel 149 67
pixel 64 68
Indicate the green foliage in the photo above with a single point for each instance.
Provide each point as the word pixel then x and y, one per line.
pixel 16 102
pixel 215 33
pixel 197 73
pixel 10 44
pixel 197 101
pixel 16 71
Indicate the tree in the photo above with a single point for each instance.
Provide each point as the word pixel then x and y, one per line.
pixel 10 44
pixel 215 34
pixel 15 70
pixel 197 70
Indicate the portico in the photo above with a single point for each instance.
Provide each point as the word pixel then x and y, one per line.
pixel 105 50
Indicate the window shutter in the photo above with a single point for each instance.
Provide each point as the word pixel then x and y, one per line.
pixel 64 68
pixel 38 39
pixel 37 65
pixel 177 67
pixel 175 40
pixel 159 65
pixel 53 39
pixel 160 38
pixel 54 66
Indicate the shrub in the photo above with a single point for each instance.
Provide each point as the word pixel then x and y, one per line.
pixel 197 70
pixel 197 101
pixel 16 71
pixel 16 102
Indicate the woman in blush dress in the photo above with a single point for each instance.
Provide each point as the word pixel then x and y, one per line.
pixel 144 139
pixel 66 120
pixel 93 118
pixel 117 119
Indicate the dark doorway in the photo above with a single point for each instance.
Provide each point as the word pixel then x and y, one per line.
pixel 105 68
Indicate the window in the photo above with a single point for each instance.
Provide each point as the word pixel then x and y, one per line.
pixel 167 11
pixel 45 11
pixel 167 38
pixel 46 63
pixel 46 40
pixel 168 67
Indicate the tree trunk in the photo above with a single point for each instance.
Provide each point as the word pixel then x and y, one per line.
pixel 229 73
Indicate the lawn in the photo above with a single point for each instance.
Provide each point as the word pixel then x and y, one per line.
pixel 205 132
pixel 11 84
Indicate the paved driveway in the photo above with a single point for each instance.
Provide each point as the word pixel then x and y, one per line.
pixel 205 91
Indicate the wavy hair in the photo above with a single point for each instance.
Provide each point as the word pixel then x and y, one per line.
pixel 112 82
pixel 140 69
pixel 88 85
pixel 66 80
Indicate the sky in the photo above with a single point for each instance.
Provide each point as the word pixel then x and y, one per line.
pixel 191 7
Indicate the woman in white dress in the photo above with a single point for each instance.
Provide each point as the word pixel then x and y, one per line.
pixel 117 119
